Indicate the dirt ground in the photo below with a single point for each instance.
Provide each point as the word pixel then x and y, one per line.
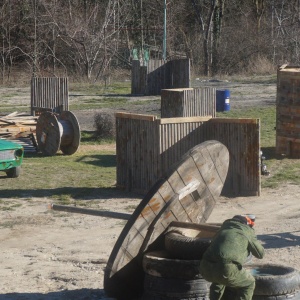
pixel 57 255
pixel 52 255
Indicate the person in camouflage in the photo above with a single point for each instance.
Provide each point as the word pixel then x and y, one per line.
pixel 222 263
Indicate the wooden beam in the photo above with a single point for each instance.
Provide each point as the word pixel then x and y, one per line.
pixel 92 212
pixel 184 120
pixel 135 116
pixel 235 121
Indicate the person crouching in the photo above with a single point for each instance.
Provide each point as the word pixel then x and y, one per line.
pixel 222 263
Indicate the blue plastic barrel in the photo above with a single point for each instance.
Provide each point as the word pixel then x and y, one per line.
pixel 222 100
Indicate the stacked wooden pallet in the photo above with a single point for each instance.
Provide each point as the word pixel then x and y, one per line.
pixel 20 128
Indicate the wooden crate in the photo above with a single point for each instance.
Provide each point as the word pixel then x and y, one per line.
pixel 188 102
pixel 288 111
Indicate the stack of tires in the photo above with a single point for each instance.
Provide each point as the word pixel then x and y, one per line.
pixel 173 273
pixel 169 278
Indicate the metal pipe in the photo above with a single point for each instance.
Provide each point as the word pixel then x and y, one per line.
pixel 92 212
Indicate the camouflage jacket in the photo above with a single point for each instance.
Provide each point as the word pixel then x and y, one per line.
pixel 233 243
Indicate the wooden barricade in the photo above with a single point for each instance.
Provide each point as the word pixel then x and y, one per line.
pixel 155 75
pixel 242 138
pixel 147 147
pixel 136 144
pixel 49 94
pixel 188 102
pixel 288 111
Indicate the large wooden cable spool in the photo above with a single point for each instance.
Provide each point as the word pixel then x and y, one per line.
pixel 57 132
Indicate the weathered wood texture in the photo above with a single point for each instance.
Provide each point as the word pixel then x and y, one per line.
pixel 49 94
pixel 147 148
pixel 187 193
pixel 188 102
pixel 57 132
pixel 158 75
pixel 288 111
pixel 19 128
pixel 135 134
pixel 242 138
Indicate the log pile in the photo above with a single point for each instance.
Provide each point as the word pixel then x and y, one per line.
pixel 20 128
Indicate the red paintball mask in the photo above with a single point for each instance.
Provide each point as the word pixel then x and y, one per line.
pixel 250 219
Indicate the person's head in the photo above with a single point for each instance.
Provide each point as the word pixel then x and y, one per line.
pixel 247 219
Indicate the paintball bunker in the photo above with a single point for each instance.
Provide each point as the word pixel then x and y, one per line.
pixel 187 193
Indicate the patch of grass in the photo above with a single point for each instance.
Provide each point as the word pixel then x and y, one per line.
pixel 63 199
pixel 282 169
pixel 90 138
pixel 10 224
pixel 267 116
pixel 263 79
pixel 4 206
pixel 6 109
pixel 110 102
pixel 84 175
pixel 98 103
pixel 117 88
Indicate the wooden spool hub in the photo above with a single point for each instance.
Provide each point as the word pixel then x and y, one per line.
pixel 58 132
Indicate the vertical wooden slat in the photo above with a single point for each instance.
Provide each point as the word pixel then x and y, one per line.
pixel 188 102
pixel 49 93
pixel 148 149
pixel 287 111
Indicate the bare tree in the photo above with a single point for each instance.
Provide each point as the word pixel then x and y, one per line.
pixel 88 33
pixel 259 8
pixel 207 10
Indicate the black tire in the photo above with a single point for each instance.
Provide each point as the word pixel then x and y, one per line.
pixel 159 264
pixel 293 296
pixel 229 294
pixel 153 296
pixel 272 279
pixel 176 288
pixel 185 247
pixel 13 172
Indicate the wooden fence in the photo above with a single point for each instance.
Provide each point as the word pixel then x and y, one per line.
pixel 288 111
pixel 50 94
pixel 155 75
pixel 188 102
pixel 147 147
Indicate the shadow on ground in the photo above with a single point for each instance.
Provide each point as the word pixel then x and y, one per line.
pixel 280 240
pixel 75 193
pixel 81 294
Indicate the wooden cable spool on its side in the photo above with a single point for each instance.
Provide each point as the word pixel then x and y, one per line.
pixel 57 132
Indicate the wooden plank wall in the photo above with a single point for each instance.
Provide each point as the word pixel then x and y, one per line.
pixel 158 75
pixel 147 148
pixel 188 102
pixel 178 74
pixel 242 138
pixel 288 111
pixel 137 151
pixel 138 78
pixel 177 136
pixel 49 94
